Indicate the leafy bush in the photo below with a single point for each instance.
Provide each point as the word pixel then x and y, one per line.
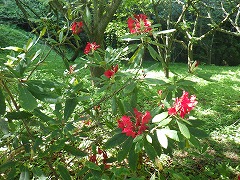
pixel 72 129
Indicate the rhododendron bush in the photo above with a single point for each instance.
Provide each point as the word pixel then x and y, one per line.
pixel 74 129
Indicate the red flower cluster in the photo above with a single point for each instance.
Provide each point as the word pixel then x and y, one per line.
pixel 109 73
pixel 136 129
pixel 77 27
pixel 183 105
pixel 93 158
pixel 90 47
pixel 140 24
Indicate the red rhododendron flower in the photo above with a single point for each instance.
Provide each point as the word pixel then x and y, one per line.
pixel 77 27
pixel 140 24
pixel 139 127
pixel 183 105
pixel 109 73
pixel 90 47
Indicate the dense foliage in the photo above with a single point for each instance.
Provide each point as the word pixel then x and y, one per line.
pixel 102 116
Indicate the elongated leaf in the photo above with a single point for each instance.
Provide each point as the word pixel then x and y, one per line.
pixel 13 48
pixel 150 150
pixel 195 142
pixel 127 145
pixel 24 174
pixel 130 87
pixel 114 105
pixel 153 53
pixel 160 117
pixel 120 106
pixel 7 165
pixel 42 32
pixel 165 31
pixel 92 165
pixel 162 138
pixel 37 172
pixel 29 44
pixel 171 134
pixel 60 36
pixel 43 116
pixel 136 57
pixel 155 143
pixel 4 126
pixel 36 55
pixel 18 115
pixel 70 105
pixel 64 172
pixel 26 99
pixel 42 90
pixel 133 159
pixel 74 151
pixel 198 132
pixel 12 174
pixel 116 140
pixel 183 129
pixel 2 103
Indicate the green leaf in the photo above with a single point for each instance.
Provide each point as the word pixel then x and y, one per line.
pixel 127 145
pixel 82 171
pixel 160 117
pixel 137 56
pixel 153 53
pixel 195 142
pixel 64 172
pixel 116 140
pixel 198 132
pixel 164 122
pixel 74 151
pixel 38 174
pixel 171 134
pixel 17 49
pixel 24 174
pixel 18 115
pixel 2 103
pixel 162 138
pixel 150 150
pixel 43 116
pixel 70 105
pixel 36 55
pixel 60 36
pixel 133 159
pixel 134 97
pixel 155 143
pixel 120 106
pixel 92 165
pixel 183 129
pixel 114 105
pixel 42 90
pixel 164 32
pixel 7 165
pixel 42 32
pixel 120 171
pixel 12 173
pixel 26 99
pixel 29 44
pixel 4 126
pixel 130 87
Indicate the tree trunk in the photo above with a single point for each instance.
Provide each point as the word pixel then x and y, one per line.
pixel 190 55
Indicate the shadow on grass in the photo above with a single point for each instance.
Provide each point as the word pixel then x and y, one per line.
pixel 220 161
